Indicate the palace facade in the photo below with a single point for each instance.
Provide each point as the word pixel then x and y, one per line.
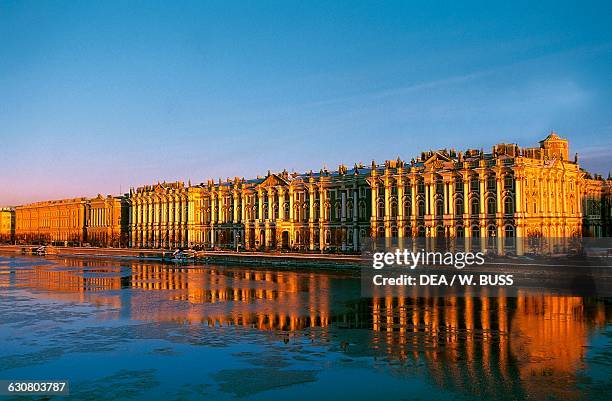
pixel 7 225
pixel 162 215
pixel 57 221
pixel 107 221
pixel 508 192
pixel 100 221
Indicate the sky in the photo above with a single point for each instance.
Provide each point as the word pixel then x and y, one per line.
pixel 100 96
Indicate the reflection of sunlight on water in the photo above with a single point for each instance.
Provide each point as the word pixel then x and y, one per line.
pixel 531 345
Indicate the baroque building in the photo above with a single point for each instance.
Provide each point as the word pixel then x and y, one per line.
pixel 313 211
pixel 510 192
pixel 99 221
pixel 162 215
pixel 107 221
pixel 506 193
pixel 57 221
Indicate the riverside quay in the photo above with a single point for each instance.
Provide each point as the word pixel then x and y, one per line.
pixel 509 192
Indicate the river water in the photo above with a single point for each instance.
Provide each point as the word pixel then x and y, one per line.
pixel 149 331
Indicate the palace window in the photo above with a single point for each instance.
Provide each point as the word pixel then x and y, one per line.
pixel 491 182
pixel 459 186
pixel 475 231
pixel 460 232
pixel 459 206
pixel 508 182
pixel 381 209
pixel 421 187
pixel 421 207
pixel 508 205
pixel 491 206
pixel 475 206
pixel 474 185
pixel 509 231
pixel 393 209
pixel 406 209
pixel 421 232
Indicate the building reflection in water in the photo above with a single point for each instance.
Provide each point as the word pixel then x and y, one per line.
pixel 530 344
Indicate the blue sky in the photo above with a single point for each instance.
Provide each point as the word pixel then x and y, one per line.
pixel 98 96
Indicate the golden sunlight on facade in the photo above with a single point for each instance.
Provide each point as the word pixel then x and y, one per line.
pixel 509 192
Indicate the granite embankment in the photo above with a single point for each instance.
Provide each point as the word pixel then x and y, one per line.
pixel 214 257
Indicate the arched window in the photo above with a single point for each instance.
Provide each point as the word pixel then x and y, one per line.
pixel 381 209
pixel 491 206
pixel 460 232
pixel 393 209
pixel 508 181
pixel 406 209
pixel 421 231
pixel 459 206
pixel 475 231
pixel 287 210
pixel 439 208
pixel 338 211
pixel 508 205
pixel 362 210
pixel 394 232
pixel 421 206
pixel 475 206
pixel 509 231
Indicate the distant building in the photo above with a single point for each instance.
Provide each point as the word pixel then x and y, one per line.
pixel 100 221
pixel 7 225
pixel 56 221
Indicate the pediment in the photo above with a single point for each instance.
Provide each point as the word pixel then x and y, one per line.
pixel 437 157
pixel 436 161
pixel 273 180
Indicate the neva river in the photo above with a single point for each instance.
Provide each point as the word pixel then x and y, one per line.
pixel 152 331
